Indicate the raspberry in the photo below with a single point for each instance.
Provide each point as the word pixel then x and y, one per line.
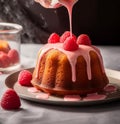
pixel 14 56
pixel 24 78
pixel 65 35
pixel 54 38
pixel 83 39
pixel 70 44
pixel 4 60
pixel 10 100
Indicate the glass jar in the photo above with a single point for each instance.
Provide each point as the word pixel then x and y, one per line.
pixel 10 40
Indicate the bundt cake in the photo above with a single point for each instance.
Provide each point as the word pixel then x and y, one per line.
pixel 69 67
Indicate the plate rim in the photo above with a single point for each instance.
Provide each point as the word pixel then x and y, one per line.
pixel 109 72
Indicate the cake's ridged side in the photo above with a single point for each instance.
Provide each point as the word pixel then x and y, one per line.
pixel 81 75
pixel 63 74
pixel 50 69
pixel 99 78
pixel 55 75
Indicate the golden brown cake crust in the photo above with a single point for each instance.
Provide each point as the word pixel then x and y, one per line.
pixel 55 74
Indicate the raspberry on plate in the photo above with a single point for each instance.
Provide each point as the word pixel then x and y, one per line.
pixel 70 44
pixel 24 78
pixel 14 56
pixel 83 39
pixel 65 35
pixel 10 100
pixel 54 38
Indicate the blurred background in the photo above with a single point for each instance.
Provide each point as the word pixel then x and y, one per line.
pixel 100 19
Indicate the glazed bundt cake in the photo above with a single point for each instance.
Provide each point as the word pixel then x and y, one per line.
pixel 68 65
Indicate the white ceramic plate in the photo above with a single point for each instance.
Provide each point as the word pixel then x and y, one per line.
pixel 114 78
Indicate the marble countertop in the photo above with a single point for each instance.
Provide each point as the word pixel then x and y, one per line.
pixel 37 113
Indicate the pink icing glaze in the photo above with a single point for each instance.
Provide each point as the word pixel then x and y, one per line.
pixel 72 56
pixel 72 98
pixel 33 90
pixel 69 5
pixel 93 97
pixel 42 96
pixel 110 88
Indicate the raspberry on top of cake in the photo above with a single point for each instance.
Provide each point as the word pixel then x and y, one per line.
pixel 69 65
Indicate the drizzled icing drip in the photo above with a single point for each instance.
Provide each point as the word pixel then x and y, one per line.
pixel 83 50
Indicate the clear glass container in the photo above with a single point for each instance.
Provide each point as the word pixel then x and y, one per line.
pixel 10 40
